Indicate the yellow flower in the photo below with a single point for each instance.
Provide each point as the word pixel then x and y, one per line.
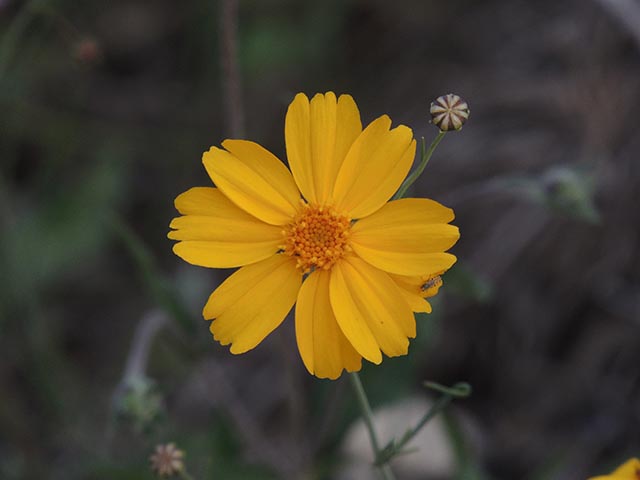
pixel 323 235
pixel 630 470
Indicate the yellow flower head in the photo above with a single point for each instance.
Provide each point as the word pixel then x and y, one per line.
pixel 630 470
pixel 323 236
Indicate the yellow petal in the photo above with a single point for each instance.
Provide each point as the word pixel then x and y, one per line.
pixel 204 201
pixel 205 245
pixel 216 233
pixel 298 142
pixel 374 168
pixel 323 347
pixel 254 179
pixel 416 302
pixel 613 477
pixel 411 292
pixel 318 135
pixel 248 230
pixel 401 238
pixel 408 238
pixel 404 263
pixel 370 309
pixel 409 210
pixel 252 302
pixel 630 468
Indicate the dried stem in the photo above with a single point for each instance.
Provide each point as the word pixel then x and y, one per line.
pixel 231 82
pixel 149 325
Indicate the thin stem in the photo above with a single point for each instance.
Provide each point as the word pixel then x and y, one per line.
pixel 440 404
pixel 367 413
pixel 425 157
pixel 395 447
pixel 367 416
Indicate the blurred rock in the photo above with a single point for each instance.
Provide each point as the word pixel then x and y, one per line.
pixel 431 452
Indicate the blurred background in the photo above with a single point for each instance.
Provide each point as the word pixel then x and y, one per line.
pixel 105 110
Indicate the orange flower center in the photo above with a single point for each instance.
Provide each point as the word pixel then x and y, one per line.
pixel 318 237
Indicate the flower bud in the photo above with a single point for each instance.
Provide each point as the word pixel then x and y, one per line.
pixel 449 112
pixel 167 460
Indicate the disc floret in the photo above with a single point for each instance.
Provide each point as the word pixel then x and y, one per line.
pixel 318 237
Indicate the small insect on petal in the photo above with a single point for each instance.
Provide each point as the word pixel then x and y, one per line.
pixel 431 286
pixel 449 112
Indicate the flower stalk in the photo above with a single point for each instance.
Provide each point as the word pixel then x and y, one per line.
pixel 367 416
pixel 425 156
pixel 383 456
pixel 395 447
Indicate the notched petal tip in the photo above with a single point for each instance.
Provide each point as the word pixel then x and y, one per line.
pixel 382 122
pixel 404 131
pixel 324 97
pixel 208 154
pixel 336 376
pixel 451 214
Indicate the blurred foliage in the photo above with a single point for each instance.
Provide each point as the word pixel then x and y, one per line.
pixel 43 242
pixel 565 190
pixel 465 282
pixel 140 404
pixel 297 38
pixel 163 292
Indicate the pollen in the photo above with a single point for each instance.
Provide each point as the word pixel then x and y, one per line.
pixel 317 237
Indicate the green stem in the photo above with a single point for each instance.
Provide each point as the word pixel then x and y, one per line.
pixel 367 416
pixel 437 407
pixel 395 447
pixel 425 157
